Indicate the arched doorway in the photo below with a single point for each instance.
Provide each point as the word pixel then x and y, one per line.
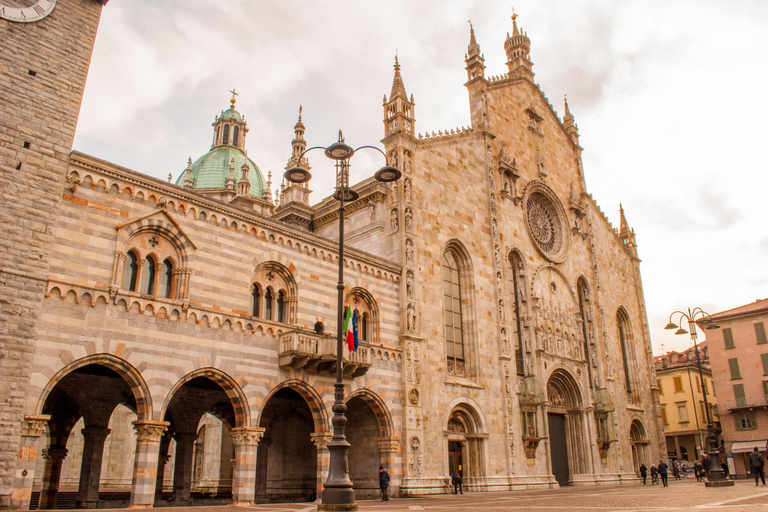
pixel 286 464
pixel 91 403
pixel 369 427
pixel 566 424
pixel 466 444
pixel 639 441
pixel 197 448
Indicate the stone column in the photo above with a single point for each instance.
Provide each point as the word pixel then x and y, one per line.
pixel 53 456
pixel 31 430
pixel 321 441
pixel 678 454
pixel 182 470
pixel 162 461
pixel 90 470
pixel 246 441
pixel 148 435
pixel 262 463
pixel 388 447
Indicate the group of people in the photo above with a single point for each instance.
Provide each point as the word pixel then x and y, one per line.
pixel 657 472
pixel 456 480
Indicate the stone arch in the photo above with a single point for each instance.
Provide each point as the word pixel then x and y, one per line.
pixel 567 424
pixel 565 388
pixel 232 389
pixel 315 403
pixel 639 442
pixel 379 408
pixel 120 366
pixel 369 308
pixel 465 441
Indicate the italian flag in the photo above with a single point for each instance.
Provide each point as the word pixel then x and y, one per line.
pixel 351 334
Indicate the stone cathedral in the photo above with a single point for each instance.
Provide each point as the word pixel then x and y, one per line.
pixel 174 343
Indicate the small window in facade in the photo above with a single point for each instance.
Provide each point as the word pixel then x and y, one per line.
pixel 745 420
pixel 131 272
pixel 148 277
pixel 235 135
pixel 733 364
pixel 760 333
pixel 765 388
pixel 225 136
pixel 682 413
pixel 365 325
pixel 728 337
pixel 661 388
pixel 678 384
pixel 166 280
pixel 664 414
pixel 268 304
pixel 280 306
pixel 764 359
pixel 256 301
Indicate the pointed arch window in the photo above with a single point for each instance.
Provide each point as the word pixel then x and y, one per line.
pixel 166 280
pixel 235 135
pixel 268 299
pixel 149 278
pixel 365 324
pixel 627 352
pixel 583 292
pixel 516 273
pixel 452 314
pixel 225 136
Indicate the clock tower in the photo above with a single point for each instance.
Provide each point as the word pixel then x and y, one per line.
pixel 45 51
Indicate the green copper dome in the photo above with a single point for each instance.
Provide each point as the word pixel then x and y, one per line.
pixel 211 170
pixel 231 113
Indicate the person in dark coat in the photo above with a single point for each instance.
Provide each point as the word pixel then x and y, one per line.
pixel 383 483
pixel 643 472
pixel 456 479
pixel 654 475
pixel 663 472
pixel 756 463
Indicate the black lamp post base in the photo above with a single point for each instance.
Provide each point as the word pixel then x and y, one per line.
pixel 719 483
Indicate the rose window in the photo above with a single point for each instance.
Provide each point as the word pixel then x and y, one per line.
pixel 545 223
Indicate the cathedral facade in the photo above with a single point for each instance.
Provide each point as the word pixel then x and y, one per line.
pixel 175 343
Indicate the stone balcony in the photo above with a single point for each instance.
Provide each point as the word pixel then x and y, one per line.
pixel 317 353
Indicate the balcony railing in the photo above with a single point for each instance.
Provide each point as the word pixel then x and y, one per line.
pixel 317 353
pixel 746 402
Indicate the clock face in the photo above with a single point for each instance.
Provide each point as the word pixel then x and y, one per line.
pixel 26 10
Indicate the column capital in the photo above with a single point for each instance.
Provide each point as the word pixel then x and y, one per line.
pixel 247 435
pixel 388 444
pixel 34 424
pixel 321 439
pixel 148 430
pixel 55 453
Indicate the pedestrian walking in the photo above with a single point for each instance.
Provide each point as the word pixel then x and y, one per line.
pixel 706 466
pixel 654 475
pixel 756 463
pixel 663 472
pixel 457 484
pixel 643 472
pixel 383 483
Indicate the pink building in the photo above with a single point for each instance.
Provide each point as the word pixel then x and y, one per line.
pixel 739 359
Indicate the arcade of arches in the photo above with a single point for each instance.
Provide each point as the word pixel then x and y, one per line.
pixel 101 449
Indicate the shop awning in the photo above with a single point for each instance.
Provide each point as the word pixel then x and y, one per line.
pixel 748 446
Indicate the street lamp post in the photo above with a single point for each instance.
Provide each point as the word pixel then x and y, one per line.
pixel 338 494
pixel 716 476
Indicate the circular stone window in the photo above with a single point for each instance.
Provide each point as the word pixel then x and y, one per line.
pixel 545 218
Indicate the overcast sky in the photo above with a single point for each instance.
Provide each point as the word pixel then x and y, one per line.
pixel 670 98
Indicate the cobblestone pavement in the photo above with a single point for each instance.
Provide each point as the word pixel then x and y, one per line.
pixel 685 495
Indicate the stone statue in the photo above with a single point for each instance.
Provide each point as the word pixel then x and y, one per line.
pixel 393 220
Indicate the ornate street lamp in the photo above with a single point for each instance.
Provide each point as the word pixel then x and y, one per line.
pixel 338 494
pixel 716 476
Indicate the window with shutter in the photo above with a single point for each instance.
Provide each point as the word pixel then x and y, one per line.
pixel 764 358
pixel 734 366
pixel 760 333
pixel 738 394
pixel 728 337
pixel 678 384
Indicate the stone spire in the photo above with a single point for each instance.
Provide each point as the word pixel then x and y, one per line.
pixel 626 234
pixel 570 127
pixel 297 192
pixel 518 48
pixel 398 110
pixel 187 181
pixel 398 87
pixel 244 185
pixel 474 59
pixel 266 194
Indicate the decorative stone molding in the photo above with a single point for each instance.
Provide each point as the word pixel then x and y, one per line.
pixel 321 439
pixel 150 431
pixel 34 424
pixel 388 444
pixel 247 436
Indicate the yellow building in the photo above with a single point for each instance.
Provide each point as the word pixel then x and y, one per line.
pixel 682 402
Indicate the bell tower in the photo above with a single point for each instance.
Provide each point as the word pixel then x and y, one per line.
pixel 518 48
pixel 398 110
pixel 45 52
